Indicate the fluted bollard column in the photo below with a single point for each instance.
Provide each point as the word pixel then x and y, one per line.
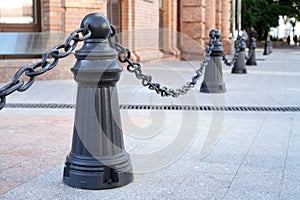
pixel 252 57
pixel 213 76
pixel 239 65
pixel 97 159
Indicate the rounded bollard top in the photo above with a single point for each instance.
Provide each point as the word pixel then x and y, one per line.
pixel 212 33
pixel 215 33
pixel 217 49
pixel 98 25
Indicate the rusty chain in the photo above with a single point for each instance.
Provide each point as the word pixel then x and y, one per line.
pixel 49 61
pixel 164 91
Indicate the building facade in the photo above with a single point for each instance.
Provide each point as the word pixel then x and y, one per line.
pixel 152 29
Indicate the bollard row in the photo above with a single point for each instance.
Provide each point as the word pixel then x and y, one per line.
pixel 49 61
pixel 98 159
pixel 240 43
pixel 124 55
pixel 135 67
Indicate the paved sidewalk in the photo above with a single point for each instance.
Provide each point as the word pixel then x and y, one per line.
pixel 179 154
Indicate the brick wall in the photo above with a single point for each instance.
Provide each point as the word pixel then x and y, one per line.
pixel 75 10
pixel 66 15
pixel 169 29
pixel 140 29
pixel 52 16
pixel 198 18
pixel 186 35
pixel 225 28
pixel 192 27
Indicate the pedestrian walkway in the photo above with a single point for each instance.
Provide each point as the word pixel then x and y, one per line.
pixel 176 154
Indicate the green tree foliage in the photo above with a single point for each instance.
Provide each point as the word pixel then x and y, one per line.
pixel 290 8
pixel 261 14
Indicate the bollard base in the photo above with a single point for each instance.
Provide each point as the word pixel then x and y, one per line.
pixel 239 70
pixel 251 63
pixel 95 173
pixel 266 50
pixel 239 66
pixel 213 87
pixel 265 53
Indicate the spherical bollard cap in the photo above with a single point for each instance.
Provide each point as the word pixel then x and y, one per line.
pixel 98 25
pixel 215 33
pixel 212 33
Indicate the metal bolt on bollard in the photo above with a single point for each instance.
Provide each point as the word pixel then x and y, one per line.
pixel 213 76
pixel 252 57
pixel 98 159
pixel 239 65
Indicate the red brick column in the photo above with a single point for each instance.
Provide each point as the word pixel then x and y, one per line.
pixel 53 16
pixel 66 16
pixel 219 14
pixel 169 28
pixel 192 28
pixel 210 17
pixel 76 10
pixel 225 27
pixel 141 29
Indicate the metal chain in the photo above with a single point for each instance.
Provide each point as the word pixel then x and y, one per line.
pixel 135 67
pixel 235 55
pixel 49 61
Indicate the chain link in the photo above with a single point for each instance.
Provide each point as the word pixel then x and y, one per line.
pixel 49 61
pixel 235 55
pixel 135 67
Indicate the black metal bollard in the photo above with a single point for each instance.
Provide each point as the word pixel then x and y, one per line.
pixel 97 159
pixel 239 65
pixel 269 46
pixel 252 57
pixel 266 48
pixel 213 77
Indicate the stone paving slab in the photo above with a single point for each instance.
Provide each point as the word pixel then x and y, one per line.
pixel 228 171
pixel 175 154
